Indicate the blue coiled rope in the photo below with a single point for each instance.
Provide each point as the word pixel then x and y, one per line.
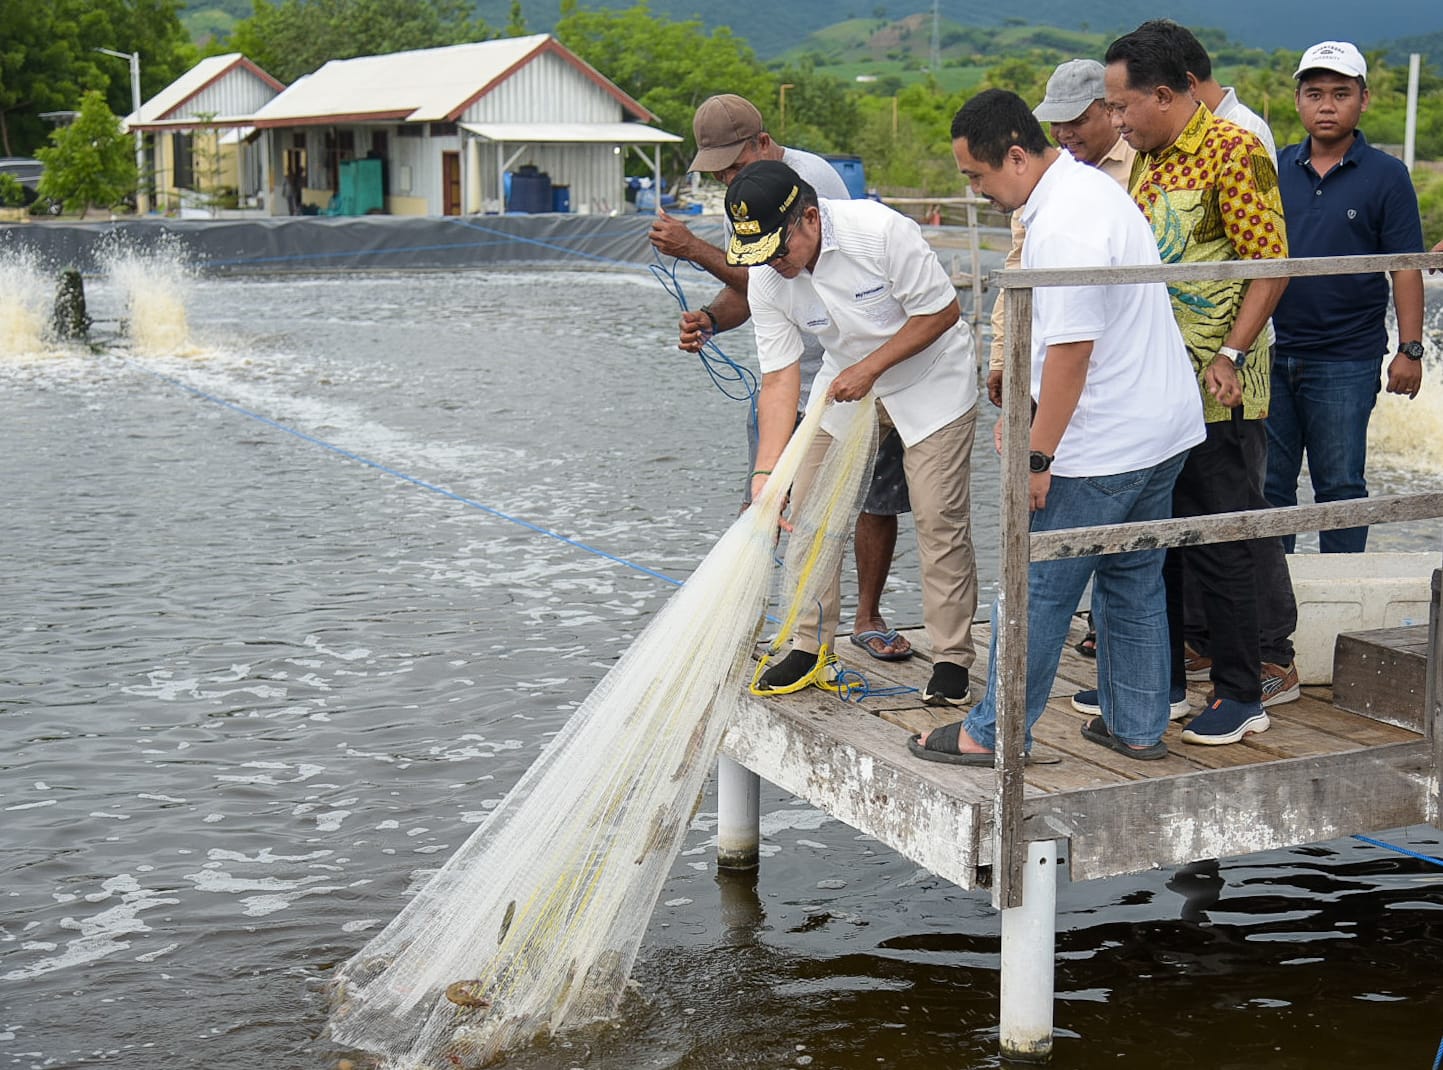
pixel 736 381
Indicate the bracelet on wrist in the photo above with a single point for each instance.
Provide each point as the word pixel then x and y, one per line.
pixel 709 314
pixel 761 472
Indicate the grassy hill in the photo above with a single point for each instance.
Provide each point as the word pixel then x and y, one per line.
pixel 889 54
pixel 1428 45
pixel 865 31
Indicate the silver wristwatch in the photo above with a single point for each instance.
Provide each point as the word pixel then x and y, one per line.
pixel 1239 357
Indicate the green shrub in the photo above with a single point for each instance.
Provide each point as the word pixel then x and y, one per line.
pixel 12 193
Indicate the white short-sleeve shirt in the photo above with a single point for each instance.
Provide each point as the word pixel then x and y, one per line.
pixel 1140 403
pixel 874 271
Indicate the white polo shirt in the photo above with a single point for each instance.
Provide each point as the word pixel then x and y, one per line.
pixel 1140 403
pixel 874 271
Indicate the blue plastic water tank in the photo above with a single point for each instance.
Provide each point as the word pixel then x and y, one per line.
pixel 853 174
pixel 561 198
pixel 530 191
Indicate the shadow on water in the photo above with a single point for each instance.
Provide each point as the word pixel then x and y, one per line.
pixel 252 692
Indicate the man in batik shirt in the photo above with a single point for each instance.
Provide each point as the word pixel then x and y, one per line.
pixel 1210 190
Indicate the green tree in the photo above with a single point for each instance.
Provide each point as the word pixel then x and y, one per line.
pixel 668 67
pixel 12 193
pixel 906 140
pixel 291 38
pixel 48 59
pixel 516 21
pixel 823 114
pixel 1027 77
pixel 90 162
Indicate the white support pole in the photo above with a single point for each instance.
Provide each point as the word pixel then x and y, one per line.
pixel 500 178
pixel 1410 122
pixel 739 821
pixel 1028 935
pixel 142 199
pixel 472 204
pixel 268 147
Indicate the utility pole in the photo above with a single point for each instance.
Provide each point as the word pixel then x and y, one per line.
pixel 936 37
pixel 142 202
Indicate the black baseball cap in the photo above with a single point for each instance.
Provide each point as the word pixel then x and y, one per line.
pixel 757 204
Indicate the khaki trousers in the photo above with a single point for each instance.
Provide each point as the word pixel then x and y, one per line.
pixel 939 480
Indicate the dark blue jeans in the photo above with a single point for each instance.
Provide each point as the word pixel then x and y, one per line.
pixel 1321 407
pixel 1129 607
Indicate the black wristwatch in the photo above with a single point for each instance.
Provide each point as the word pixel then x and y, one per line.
pixel 1038 461
pixel 1412 350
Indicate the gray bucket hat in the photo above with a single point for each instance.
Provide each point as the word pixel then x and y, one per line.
pixel 1070 91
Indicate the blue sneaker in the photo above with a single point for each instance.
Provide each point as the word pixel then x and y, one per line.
pixel 1086 702
pixel 1226 721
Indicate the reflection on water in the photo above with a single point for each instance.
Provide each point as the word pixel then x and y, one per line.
pixel 252 692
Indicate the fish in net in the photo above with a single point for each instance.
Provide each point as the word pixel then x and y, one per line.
pixel 533 925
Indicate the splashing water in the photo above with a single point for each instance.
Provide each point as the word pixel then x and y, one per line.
pixel 1404 434
pixel 25 295
pixel 156 284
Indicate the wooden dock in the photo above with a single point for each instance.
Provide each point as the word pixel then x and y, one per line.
pixel 1318 773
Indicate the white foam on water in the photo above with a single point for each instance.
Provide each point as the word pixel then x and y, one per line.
pixel 103 934
pixel 1406 435
pixel 25 296
pixel 156 284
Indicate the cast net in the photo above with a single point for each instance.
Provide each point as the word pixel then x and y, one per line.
pixel 533 925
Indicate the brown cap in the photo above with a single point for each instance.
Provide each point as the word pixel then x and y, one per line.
pixel 722 125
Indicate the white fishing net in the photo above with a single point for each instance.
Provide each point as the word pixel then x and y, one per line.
pixel 534 923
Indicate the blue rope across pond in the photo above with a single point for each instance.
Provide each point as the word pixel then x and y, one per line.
pixel 378 466
pixel 1411 854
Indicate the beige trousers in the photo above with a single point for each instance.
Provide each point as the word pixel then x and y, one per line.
pixel 939 480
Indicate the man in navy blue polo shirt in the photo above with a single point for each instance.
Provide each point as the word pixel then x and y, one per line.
pixel 1341 198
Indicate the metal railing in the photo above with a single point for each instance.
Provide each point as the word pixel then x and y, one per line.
pixel 1020 547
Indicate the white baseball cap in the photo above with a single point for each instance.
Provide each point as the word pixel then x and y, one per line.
pixel 1340 56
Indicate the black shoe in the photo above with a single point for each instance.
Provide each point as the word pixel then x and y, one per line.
pixel 948 686
pixel 783 676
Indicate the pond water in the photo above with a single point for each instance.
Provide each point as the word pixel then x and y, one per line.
pixel 259 677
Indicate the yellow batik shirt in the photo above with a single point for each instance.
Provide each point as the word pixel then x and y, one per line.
pixel 1213 195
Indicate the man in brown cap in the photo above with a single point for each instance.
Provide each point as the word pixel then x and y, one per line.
pixel 730 134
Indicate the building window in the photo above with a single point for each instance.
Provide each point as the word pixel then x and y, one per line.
pixel 182 147
pixel 412 130
pixel 443 129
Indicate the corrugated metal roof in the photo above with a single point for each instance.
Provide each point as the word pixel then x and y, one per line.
pixel 194 82
pixel 572 133
pixel 427 85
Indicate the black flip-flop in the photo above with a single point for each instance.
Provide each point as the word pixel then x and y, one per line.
pixel 1096 731
pixel 948 734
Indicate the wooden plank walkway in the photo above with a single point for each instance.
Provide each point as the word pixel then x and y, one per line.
pixel 1318 773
